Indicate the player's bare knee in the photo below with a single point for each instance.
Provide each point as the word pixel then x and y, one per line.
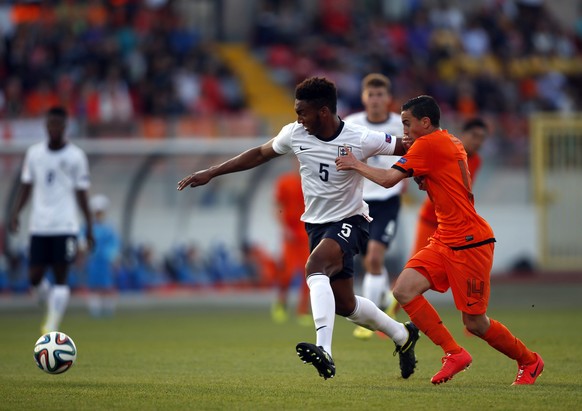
pixel 402 296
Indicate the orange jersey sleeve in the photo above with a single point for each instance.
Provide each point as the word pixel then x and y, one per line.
pixel 442 160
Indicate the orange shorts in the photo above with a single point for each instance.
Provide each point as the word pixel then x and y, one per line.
pixel 466 272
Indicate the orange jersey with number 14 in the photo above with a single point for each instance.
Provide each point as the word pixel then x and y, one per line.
pixel 441 159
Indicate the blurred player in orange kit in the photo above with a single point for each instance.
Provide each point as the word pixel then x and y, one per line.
pixel 459 255
pixel 295 246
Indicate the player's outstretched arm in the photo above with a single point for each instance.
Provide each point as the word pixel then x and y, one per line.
pixel 386 178
pixel 245 161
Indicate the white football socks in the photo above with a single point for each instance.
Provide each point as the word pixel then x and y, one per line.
pixel 58 300
pixel 322 308
pixel 374 286
pixel 42 290
pixel 368 315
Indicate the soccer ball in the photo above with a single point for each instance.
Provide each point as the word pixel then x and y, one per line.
pixel 55 352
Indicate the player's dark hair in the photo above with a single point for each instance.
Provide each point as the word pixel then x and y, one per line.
pixel 474 123
pixel 376 80
pixel 58 111
pixel 424 106
pixel 319 92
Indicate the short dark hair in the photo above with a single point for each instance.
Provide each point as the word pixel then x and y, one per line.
pixel 474 123
pixel 376 80
pixel 58 111
pixel 318 91
pixel 424 106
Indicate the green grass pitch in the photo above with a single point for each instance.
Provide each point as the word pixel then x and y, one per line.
pixel 204 358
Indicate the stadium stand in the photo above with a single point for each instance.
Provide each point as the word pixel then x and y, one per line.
pixel 139 69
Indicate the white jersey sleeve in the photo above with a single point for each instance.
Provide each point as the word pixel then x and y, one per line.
pixel 392 126
pixel 282 142
pixel 377 143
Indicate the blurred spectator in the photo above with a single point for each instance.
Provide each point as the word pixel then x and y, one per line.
pixel 475 39
pixel 40 99
pixel 140 271
pixel 148 273
pixel 13 98
pixel 102 263
pixel 445 15
pixel 186 267
pixel 115 105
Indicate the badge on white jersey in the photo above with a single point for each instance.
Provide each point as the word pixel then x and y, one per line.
pixel 343 150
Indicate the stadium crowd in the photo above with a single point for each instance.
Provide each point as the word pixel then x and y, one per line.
pixel 112 62
pixel 502 59
pixel 505 57
pixel 109 63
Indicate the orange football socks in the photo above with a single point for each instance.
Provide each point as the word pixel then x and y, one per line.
pixel 425 317
pixel 500 338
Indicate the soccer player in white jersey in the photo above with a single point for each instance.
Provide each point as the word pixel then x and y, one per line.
pixel 384 203
pixel 57 174
pixel 336 217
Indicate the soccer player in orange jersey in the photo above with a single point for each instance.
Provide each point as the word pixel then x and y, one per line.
pixel 473 135
pixel 460 252
pixel 295 247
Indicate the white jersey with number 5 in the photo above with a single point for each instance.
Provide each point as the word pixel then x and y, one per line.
pixel 55 176
pixel 393 126
pixel 332 195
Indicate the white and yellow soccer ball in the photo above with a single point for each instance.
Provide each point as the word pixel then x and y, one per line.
pixel 55 352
